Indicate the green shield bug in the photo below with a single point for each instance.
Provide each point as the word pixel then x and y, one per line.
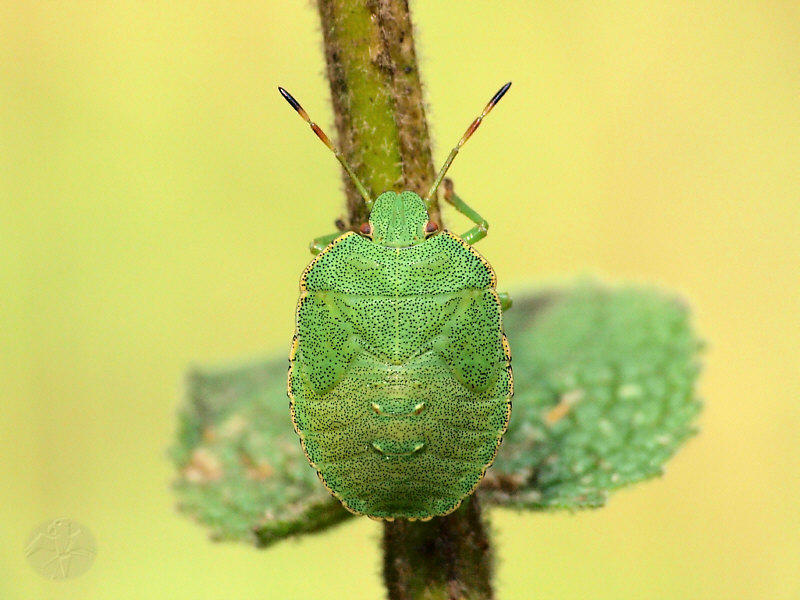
pixel 400 374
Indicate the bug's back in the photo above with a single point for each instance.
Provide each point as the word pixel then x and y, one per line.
pixel 400 377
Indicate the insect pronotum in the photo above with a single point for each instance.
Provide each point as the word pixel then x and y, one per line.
pixel 400 374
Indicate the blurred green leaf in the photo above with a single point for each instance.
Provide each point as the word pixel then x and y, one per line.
pixel 242 471
pixel 604 395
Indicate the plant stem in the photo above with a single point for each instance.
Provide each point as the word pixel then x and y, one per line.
pixel 445 558
pixel 382 131
pixel 377 99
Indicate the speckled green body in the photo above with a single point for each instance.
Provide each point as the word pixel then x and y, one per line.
pixel 400 379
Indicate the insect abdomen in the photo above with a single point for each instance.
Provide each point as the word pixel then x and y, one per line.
pixel 393 441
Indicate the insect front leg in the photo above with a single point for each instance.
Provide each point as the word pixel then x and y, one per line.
pixel 481 225
pixel 505 301
pixel 319 244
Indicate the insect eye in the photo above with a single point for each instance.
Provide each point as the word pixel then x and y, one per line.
pixel 431 227
pixel 365 228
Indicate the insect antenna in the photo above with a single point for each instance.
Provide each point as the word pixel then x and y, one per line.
pixel 325 140
pixel 470 130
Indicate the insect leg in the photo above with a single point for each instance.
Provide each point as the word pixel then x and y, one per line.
pixel 505 301
pixel 318 244
pixel 481 225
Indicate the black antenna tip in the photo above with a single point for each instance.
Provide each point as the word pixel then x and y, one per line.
pixel 500 93
pixel 290 99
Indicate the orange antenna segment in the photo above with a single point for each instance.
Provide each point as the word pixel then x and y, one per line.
pixel 326 140
pixel 467 134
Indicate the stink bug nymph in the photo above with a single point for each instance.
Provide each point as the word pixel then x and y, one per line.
pixel 400 374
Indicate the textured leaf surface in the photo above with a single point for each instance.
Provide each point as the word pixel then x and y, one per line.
pixel 604 395
pixel 604 382
pixel 242 471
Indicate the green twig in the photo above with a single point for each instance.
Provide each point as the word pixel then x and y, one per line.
pixel 377 98
pixel 380 121
pixel 448 557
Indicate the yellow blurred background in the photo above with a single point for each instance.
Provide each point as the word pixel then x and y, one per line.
pixel 157 197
